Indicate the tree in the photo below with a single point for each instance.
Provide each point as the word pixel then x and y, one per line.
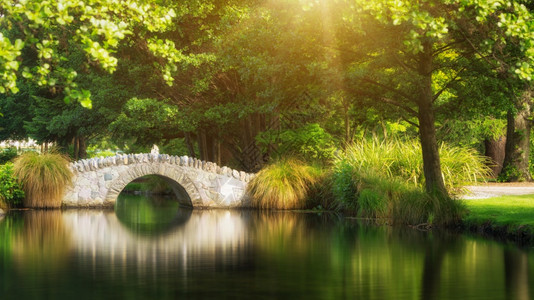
pixel 43 28
pixel 434 36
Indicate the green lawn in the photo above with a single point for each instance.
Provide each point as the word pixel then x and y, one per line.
pixel 510 212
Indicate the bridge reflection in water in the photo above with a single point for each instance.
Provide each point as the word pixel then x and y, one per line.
pixel 198 238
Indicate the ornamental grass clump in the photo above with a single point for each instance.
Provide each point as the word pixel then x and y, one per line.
pixel 385 180
pixel 403 159
pixel 43 177
pixel 391 199
pixel 283 185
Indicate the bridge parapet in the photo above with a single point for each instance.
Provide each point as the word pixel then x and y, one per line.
pixel 98 181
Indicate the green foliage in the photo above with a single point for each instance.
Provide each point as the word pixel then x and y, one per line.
pixel 404 160
pixel 472 132
pixel 369 195
pixel 100 153
pixel 43 177
pixel 344 187
pixel 175 147
pixel 510 173
pixel 95 29
pixel 148 121
pixel 321 194
pixel 147 215
pixel 310 142
pixel 383 180
pixel 11 193
pixel 150 184
pixel 283 184
pixel 7 154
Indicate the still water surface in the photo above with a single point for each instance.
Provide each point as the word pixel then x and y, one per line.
pixel 149 248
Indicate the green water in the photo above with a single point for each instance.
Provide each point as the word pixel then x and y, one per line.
pixel 151 249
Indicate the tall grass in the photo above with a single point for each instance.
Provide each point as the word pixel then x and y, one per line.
pixel 43 177
pixel 283 185
pixel 369 195
pixel 403 159
pixel 385 180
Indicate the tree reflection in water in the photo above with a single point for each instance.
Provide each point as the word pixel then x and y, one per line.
pixel 150 215
pixel 516 273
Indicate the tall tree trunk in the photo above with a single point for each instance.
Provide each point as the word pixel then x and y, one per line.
pixel 209 147
pixel 82 147
pixel 202 145
pixel 515 166
pixel 495 152
pixel 75 150
pixel 427 131
pixel 217 152
pixel 189 143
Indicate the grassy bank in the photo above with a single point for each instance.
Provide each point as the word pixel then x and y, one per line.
pixel 373 179
pixel 507 217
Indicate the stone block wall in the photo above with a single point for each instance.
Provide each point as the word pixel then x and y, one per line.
pixel 97 182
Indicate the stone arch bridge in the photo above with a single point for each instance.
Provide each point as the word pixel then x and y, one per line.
pixel 97 182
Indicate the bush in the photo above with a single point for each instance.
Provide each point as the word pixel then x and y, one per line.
pixel 7 154
pixel 43 177
pixel 283 185
pixel 11 193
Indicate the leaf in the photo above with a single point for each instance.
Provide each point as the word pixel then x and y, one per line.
pixel 86 102
pixel 19 44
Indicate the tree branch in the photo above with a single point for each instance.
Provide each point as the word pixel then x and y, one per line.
pixel 390 102
pixel 447 86
pixel 476 50
pixel 445 48
pixel 375 83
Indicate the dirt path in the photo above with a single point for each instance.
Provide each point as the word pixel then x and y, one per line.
pixel 488 190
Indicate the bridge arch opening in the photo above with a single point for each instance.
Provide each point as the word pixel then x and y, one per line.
pixel 151 184
pixel 179 182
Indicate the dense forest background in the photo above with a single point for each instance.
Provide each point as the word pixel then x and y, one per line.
pixel 242 82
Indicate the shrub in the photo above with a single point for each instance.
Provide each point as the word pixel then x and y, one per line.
pixel 7 154
pixel 283 185
pixel 43 178
pixel 11 194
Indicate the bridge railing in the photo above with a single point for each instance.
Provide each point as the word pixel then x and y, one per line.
pixel 93 164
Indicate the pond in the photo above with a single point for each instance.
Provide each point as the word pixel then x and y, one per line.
pixel 149 248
